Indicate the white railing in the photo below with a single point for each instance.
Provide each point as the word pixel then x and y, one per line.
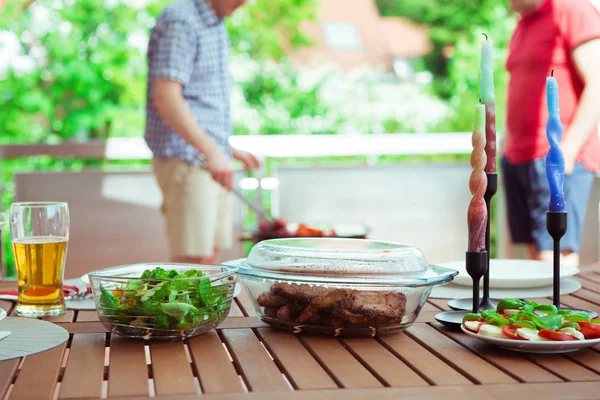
pixel 269 146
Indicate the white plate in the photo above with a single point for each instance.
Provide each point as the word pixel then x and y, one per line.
pixel 509 274
pixel 526 346
pixel 450 291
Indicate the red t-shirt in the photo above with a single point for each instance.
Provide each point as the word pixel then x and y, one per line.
pixel 544 41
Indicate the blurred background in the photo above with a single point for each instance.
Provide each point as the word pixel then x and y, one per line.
pixel 361 109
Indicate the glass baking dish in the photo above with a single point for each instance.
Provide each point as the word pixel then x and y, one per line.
pixel 338 287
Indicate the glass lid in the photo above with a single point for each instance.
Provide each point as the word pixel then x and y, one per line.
pixel 342 260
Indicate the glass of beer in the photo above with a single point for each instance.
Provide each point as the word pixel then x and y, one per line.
pixel 39 232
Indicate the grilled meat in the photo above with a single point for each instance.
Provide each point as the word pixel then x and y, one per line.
pixel 299 293
pixel 317 305
pixel 330 298
pixel 289 312
pixel 270 300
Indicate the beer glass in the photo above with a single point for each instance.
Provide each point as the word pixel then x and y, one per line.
pixel 39 233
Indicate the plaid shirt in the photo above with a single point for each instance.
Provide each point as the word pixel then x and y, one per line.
pixel 189 44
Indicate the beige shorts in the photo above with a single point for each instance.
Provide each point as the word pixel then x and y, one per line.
pixel 197 209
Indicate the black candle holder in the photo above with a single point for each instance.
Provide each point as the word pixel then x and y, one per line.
pixel 556 225
pixel 476 265
pixel 492 189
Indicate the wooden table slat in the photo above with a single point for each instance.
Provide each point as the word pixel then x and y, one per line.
pixel 215 370
pixel 431 307
pixel 87 316
pixel 171 369
pixel 587 357
pixel 128 371
pixel 546 391
pixel 427 316
pixel 590 276
pixel 235 310
pixel 246 322
pixel 302 369
pixel 7 305
pixel 68 316
pixel 563 367
pixel 348 371
pixel 245 303
pixel 458 356
pixel 253 361
pixel 84 372
pixel 8 368
pixel 588 295
pixel 436 370
pixel 589 284
pixel 576 302
pixel 388 367
pixel 229 323
pixel 442 304
pixel 517 365
pixel 41 368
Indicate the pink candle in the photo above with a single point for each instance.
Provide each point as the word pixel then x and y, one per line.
pixel 477 212
pixel 490 133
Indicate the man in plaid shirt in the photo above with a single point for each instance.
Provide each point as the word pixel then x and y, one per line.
pixel 188 126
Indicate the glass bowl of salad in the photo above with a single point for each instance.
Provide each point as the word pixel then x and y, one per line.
pixel 163 300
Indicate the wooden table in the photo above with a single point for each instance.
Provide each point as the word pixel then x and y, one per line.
pixel 244 359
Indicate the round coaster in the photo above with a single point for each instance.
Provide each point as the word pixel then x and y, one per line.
pixel 29 336
pixel 452 319
pixel 467 304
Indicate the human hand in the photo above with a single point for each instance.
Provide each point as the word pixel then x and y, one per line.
pixel 570 156
pixel 220 168
pixel 248 159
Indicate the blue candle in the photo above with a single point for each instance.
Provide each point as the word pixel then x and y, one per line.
pixel 555 161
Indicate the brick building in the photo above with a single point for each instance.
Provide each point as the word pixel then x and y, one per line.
pixel 353 34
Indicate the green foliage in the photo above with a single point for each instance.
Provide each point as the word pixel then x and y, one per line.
pixel 88 80
pixel 11 9
pixel 457 27
pixel 276 101
pixel 266 30
pixel 449 20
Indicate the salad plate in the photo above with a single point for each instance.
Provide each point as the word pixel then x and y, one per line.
pixel 526 346
pixel 529 327
pixel 512 274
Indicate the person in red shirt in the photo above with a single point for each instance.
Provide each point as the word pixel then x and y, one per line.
pixel 562 36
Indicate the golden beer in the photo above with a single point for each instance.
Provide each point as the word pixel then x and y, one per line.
pixel 40 263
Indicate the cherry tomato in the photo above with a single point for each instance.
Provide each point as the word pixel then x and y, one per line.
pixel 553 335
pixel 589 330
pixel 510 331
